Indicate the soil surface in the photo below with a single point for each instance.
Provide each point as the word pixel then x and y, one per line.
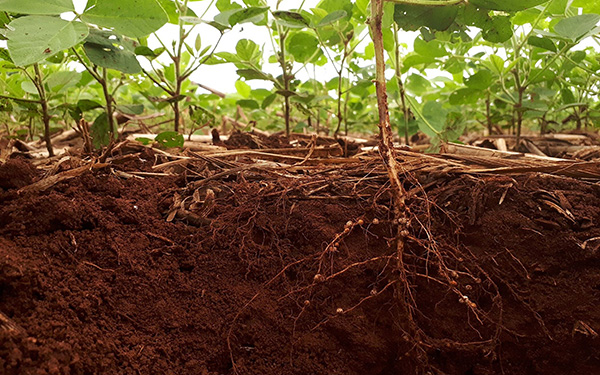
pixel 98 281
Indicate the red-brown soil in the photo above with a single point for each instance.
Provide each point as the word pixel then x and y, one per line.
pixel 101 283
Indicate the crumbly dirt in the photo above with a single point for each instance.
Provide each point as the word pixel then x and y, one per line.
pixel 16 173
pixel 101 283
pixel 246 140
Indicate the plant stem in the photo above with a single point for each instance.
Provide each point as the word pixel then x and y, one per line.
pixel 339 94
pixel 398 73
pixel 346 110
pixel 109 103
pixel 286 81
pixel 519 105
pixel 158 83
pixel 488 114
pixel 108 97
pixel 176 57
pixel 382 104
pixel 82 62
pixel 33 101
pixel 549 63
pixel 39 85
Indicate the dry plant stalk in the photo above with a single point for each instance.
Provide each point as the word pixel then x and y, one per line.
pixel 84 130
pixel 9 325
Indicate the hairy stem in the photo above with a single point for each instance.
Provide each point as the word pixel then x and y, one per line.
pixel 398 73
pixel 39 85
pixel 488 114
pixel 109 103
pixel 286 81
pixel 339 95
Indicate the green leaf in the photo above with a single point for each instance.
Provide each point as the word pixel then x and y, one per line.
pixel 303 98
pixel 224 5
pixel 286 93
pixel 250 74
pixel 577 27
pixel 496 63
pixel 247 15
pixel 223 17
pixel 107 50
pixel 198 43
pixel 197 21
pixel 133 18
pixel 539 75
pixel 247 50
pixel 260 94
pixel 172 11
pixel 268 101
pixel 29 87
pixel 290 19
pixel 388 15
pixel 47 7
pixel 499 30
pixel 204 51
pixel 169 139
pixel 332 18
pixel 243 88
pixel 331 6
pixel 4 20
pixel 542 42
pixel 61 80
pixel 433 48
pixel 303 45
pixel 248 104
pixel 434 118
pixel 87 105
pixel 474 16
pixel 480 80
pixel 100 131
pixel 363 6
pixel 414 60
pixel 201 116
pixel 146 51
pixel 413 17
pixel 228 57
pixel 145 141
pixel 526 16
pixel 464 96
pixel 130 109
pixel 507 5
pixel 455 65
pixel 417 84
pixel 567 96
pixel 578 56
pixel 587 6
pixel 31 39
pixel 558 6
pixel 5 55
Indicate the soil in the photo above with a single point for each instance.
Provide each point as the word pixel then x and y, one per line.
pixel 272 282
pixel 245 140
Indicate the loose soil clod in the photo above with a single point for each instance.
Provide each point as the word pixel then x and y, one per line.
pixel 291 271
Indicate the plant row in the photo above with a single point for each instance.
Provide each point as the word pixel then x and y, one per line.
pixel 478 65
